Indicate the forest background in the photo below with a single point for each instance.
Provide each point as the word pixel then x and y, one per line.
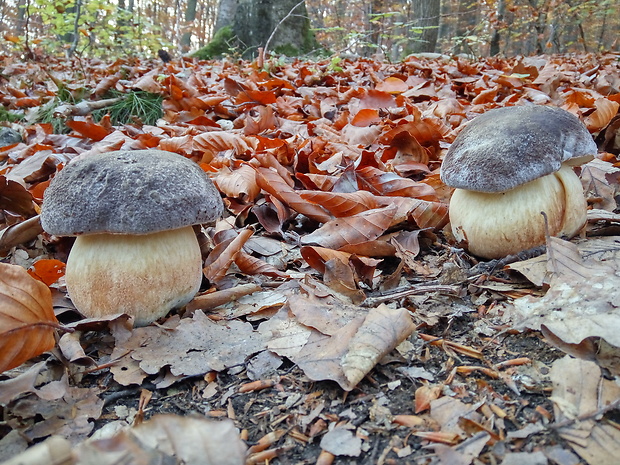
pixel 390 28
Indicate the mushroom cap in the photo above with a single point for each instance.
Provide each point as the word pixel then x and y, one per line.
pixel 506 147
pixel 129 192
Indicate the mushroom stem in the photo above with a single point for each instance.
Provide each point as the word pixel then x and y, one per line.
pixel 493 225
pixel 144 275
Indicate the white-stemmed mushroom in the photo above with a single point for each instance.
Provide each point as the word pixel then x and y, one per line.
pixel 132 212
pixel 510 164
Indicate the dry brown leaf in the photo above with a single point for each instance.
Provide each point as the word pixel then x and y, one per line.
pixel 341 441
pixel 271 182
pixel 255 266
pixel 383 329
pixel 14 198
pixel 219 141
pixel 425 214
pixel 167 438
pixel 20 233
pixel 240 183
pixel 580 393
pixel 27 320
pixel 579 311
pixel 380 182
pixel 217 298
pixel 220 259
pixel 600 183
pixel 355 348
pixel 605 110
pixel 195 346
pixel 342 204
pixel 362 227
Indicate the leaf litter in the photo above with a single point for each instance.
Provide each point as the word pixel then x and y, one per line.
pixel 338 322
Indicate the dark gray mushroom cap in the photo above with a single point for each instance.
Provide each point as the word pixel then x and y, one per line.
pixel 129 192
pixel 506 147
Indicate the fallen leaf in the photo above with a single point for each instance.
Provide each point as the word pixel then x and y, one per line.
pixel 341 441
pixel 27 320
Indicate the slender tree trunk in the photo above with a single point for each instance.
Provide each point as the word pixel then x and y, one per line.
pixel 258 21
pixel 190 17
pixel 225 14
pixel 499 19
pixel 427 20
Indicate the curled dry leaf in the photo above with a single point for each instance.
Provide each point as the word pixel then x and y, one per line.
pixel 365 226
pixel 342 204
pixel 382 183
pixel 167 438
pixel 605 110
pixel 220 260
pixel 14 198
pixel 27 320
pixel 383 329
pixel 20 233
pixel 274 184
pixel 240 183
pixel 218 141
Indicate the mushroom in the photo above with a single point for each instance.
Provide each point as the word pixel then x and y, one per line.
pixel 510 164
pixel 132 212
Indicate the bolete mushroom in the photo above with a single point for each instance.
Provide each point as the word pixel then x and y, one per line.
pixel 132 212
pixel 510 164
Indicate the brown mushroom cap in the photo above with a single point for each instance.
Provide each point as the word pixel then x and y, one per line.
pixel 129 192
pixel 506 147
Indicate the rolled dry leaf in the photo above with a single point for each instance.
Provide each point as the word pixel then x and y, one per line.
pixel 27 319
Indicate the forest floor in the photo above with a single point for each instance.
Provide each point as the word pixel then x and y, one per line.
pixel 332 326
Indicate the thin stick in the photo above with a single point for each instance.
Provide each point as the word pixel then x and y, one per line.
pixel 266 49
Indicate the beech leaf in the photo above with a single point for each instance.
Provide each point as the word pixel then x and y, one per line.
pixel 365 226
pixel 27 320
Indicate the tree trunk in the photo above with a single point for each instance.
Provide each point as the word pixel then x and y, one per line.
pixel 256 20
pixel 467 18
pixel 499 19
pixel 190 17
pixel 225 14
pixel 427 22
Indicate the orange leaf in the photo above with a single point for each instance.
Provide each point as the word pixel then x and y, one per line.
pixel 240 183
pixel 218 141
pixel 393 85
pixel 27 320
pixel 424 395
pixel 365 117
pixel 425 214
pixel 381 183
pixel 342 204
pixel 251 265
pixel 272 182
pixel 316 257
pixel 27 102
pixel 605 111
pixel 15 198
pixel 11 38
pixel 93 131
pixel 48 271
pixel 365 226
pixel 221 258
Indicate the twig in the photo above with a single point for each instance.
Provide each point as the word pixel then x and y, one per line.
pixel 414 290
pixel 266 49
pixel 586 416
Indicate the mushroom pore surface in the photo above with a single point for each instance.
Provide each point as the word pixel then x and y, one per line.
pixel 144 276
pixel 493 225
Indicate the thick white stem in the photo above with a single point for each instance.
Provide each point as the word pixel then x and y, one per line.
pixel 493 225
pixel 144 276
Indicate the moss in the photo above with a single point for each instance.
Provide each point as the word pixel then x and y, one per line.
pixel 219 45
